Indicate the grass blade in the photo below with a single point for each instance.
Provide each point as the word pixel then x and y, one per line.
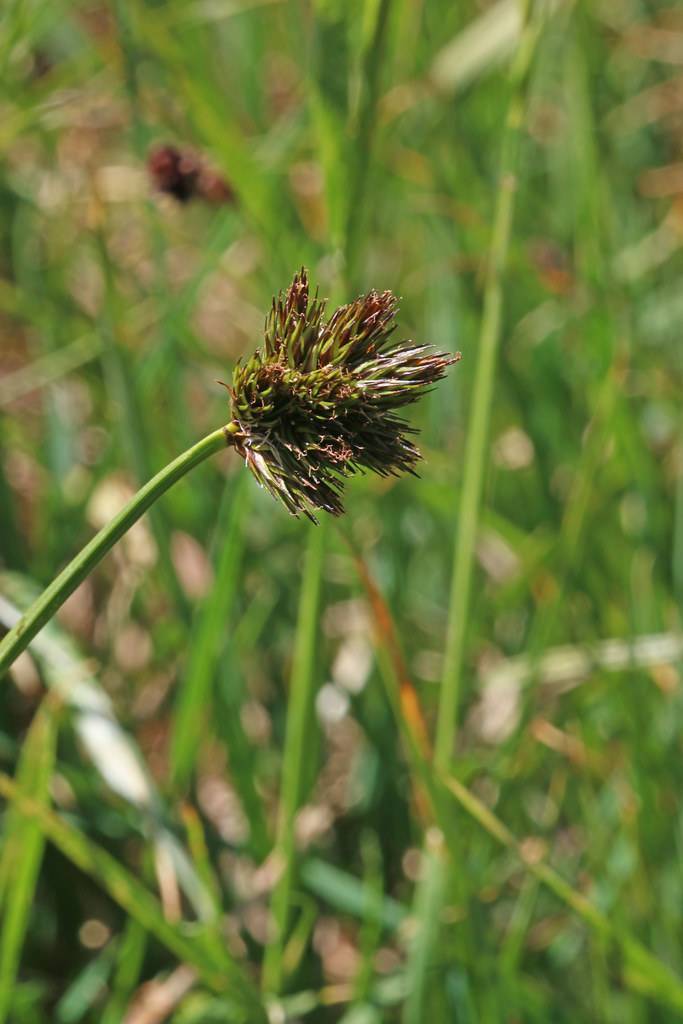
pixel 112 751
pixel 130 953
pixel 643 971
pixel 329 104
pixel 135 899
pixel 242 756
pixel 86 988
pixel 346 893
pixel 122 384
pixel 371 77
pixel 371 929
pixel 23 849
pixel 194 701
pixel 299 722
pixel 480 409
pixel 430 896
pixel 48 368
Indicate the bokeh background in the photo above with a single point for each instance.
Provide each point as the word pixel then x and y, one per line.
pixel 214 718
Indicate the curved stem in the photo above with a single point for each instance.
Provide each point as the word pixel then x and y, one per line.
pixel 54 596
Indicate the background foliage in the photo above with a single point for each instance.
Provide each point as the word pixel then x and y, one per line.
pixel 212 731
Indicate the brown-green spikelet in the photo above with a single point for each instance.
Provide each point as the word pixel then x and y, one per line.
pixel 316 403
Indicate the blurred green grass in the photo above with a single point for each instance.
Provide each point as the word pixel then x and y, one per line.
pixel 364 141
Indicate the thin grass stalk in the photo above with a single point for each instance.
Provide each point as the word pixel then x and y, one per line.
pixel 132 423
pixel 592 244
pixel 644 972
pixel 243 761
pixel 220 974
pixel 195 698
pixel 480 409
pixel 430 895
pixel 370 931
pixel 54 596
pixel 371 73
pixel 48 368
pixel 22 851
pixel 517 928
pixel 166 352
pixel 130 955
pixel 13 543
pixel 677 546
pixel 212 933
pixel 574 521
pixel 82 992
pixel 299 720
pixel 402 697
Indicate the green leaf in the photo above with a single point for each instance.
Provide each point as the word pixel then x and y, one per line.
pixel 114 753
pixel 195 701
pixel 297 740
pixel 23 846
pixel 219 973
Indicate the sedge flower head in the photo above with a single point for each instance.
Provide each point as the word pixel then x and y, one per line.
pixel 318 401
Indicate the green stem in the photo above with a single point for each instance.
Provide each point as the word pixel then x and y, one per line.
pixel 166 350
pixel 197 693
pixel 644 972
pixel 648 974
pixel 372 66
pixel 220 973
pixel 54 596
pixel 480 409
pixel 296 755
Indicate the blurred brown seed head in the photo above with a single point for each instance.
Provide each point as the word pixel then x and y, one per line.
pixel 184 175
pixel 317 403
pixel 174 172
